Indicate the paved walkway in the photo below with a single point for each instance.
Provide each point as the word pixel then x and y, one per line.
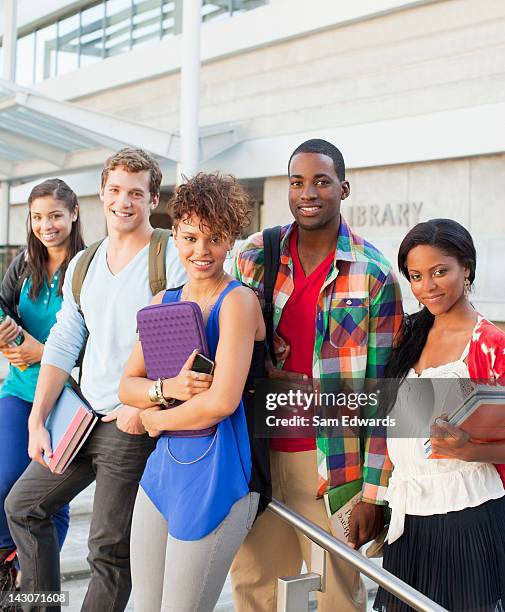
pixel 74 567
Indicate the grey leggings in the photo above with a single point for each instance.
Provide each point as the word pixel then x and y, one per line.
pixel 183 576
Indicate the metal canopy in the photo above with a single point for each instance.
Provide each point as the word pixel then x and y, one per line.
pixel 41 136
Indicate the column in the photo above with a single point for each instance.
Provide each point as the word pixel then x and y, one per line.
pixel 4 212
pixel 190 89
pixel 9 74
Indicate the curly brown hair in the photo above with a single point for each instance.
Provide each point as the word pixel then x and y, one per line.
pixel 134 160
pixel 218 200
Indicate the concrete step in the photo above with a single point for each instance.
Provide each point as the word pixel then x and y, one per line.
pixel 77 588
pixel 77 591
pixel 75 550
pixel 75 569
pixel 83 503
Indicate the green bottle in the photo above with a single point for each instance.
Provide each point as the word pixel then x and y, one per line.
pixel 20 338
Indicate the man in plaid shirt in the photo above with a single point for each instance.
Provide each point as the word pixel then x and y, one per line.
pixel 337 308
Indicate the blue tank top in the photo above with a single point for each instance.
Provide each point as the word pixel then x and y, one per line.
pixel 195 497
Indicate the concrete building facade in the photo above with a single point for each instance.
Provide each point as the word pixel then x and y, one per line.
pixel 412 92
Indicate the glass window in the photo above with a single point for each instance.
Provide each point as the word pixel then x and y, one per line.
pixel 91 42
pixel 146 21
pixel 107 28
pixel 170 9
pixel 212 9
pixel 68 44
pixel 45 66
pixel 240 6
pixel 25 61
pixel 118 30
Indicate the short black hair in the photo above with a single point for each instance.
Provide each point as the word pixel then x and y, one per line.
pixel 323 147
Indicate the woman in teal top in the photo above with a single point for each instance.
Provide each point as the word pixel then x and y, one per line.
pixel 32 288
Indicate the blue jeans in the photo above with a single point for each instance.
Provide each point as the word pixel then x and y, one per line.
pixel 116 460
pixel 14 414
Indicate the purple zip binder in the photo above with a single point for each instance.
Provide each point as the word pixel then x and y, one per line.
pixel 169 333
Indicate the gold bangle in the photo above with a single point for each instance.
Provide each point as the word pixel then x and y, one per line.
pixel 159 394
pixel 153 396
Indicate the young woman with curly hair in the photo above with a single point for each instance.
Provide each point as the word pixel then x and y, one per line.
pixel 198 498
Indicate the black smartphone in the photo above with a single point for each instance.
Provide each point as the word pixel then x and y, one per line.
pixel 203 364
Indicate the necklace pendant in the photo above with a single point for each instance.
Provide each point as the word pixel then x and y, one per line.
pixel 207 302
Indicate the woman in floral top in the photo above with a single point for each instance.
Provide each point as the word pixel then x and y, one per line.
pixel 447 532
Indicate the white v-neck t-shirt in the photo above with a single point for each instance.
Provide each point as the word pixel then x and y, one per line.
pixel 421 486
pixel 109 303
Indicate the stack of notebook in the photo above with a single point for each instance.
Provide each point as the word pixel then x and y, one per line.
pixel 69 425
pixel 481 415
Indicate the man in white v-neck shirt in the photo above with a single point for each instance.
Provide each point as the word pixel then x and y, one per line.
pixel 116 286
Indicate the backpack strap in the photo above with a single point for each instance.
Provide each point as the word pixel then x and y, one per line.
pixel 157 267
pixel 157 272
pixel 81 269
pixel 271 249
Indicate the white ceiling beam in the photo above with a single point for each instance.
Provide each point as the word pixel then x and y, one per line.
pixel 8 103
pixel 106 132
pixel 215 139
pixel 100 125
pixel 82 160
pixel 33 147
pixel 6 169
pixel 89 158
pixel 112 132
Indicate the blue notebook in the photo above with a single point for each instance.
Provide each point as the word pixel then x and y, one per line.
pixel 69 424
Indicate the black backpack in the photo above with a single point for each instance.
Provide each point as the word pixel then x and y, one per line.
pixel 271 249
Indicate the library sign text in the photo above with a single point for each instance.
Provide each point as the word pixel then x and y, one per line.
pixel 390 215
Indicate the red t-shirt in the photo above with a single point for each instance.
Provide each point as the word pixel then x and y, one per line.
pixel 298 328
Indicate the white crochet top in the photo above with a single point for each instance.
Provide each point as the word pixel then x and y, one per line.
pixel 421 486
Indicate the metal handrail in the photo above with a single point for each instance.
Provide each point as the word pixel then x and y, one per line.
pixel 322 538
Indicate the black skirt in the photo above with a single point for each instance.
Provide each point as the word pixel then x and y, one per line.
pixel 456 559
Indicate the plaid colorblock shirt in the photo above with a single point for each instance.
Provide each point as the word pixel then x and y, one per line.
pixel 358 313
